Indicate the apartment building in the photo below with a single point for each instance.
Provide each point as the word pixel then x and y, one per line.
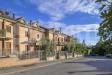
pixel 6 34
pixel 18 36
pixel 21 36
pixel 59 40
pixel 36 33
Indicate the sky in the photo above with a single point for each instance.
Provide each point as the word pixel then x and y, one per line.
pixel 78 18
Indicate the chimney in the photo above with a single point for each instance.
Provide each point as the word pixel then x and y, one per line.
pixel 30 22
pixel 13 15
pixel 60 29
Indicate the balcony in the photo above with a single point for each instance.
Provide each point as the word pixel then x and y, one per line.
pixel 59 43
pixel 4 35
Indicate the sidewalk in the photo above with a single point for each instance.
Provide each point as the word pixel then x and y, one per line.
pixel 13 62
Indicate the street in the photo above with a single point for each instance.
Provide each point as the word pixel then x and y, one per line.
pixel 83 66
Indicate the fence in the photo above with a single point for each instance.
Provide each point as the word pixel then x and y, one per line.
pixel 43 55
pixel 5 52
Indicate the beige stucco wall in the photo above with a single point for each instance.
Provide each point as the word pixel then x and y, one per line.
pixel 7 33
pixel 1 41
pixel 0 48
pixel 34 33
pixel 1 23
pixel 61 40
pixel 22 38
pixel 9 36
pixel 50 35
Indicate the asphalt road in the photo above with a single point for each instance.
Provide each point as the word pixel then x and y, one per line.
pixel 85 66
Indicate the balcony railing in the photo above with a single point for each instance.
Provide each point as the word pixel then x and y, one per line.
pixel 59 43
pixel 2 33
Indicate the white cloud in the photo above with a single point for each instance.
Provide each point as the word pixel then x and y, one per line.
pixel 56 25
pixel 57 9
pixel 74 29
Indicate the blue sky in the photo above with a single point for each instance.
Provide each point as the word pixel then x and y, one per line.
pixel 79 18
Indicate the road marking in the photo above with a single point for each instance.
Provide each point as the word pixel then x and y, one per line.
pixel 9 73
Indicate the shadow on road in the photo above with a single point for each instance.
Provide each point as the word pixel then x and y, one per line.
pixel 73 72
pixel 100 63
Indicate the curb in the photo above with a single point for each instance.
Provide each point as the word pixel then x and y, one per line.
pixel 40 62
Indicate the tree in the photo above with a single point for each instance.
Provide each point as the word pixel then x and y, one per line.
pixel 75 46
pixel 105 29
pixel 45 42
pixel 99 48
pixel 66 47
pixel 70 46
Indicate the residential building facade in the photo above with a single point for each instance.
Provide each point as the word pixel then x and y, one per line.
pixel 18 36
pixel 36 33
pixel 6 34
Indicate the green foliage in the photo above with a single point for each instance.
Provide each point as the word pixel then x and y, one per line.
pixel 66 48
pixel 99 49
pixel 47 45
pixel 105 29
pixel 2 33
pixel 75 46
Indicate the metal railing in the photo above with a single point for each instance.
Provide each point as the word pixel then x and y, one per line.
pixel 28 55
pixel 5 52
pixel 42 55
pixel 2 33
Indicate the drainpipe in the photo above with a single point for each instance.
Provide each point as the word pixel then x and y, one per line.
pixel 29 35
pixel 3 43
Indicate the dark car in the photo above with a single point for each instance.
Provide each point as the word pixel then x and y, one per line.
pixel 109 55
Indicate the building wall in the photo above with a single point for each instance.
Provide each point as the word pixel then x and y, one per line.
pixel 9 35
pixel 21 34
pixel 8 39
pixel 23 39
pixel 51 36
pixel 59 40
pixel 37 34
pixel 20 37
pixel 0 40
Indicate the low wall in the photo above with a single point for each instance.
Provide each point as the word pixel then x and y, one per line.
pixel 69 56
pixel 51 58
pixel 62 57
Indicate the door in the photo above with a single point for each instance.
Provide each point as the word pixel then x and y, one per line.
pixel 8 48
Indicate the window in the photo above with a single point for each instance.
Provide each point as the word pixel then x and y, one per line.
pixel 17 47
pixel 62 39
pixel 16 36
pixel 8 45
pixel 26 33
pixel 26 47
pixel 8 28
pixel 37 36
pixel 58 39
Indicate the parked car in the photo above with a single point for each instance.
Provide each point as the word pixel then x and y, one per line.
pixel 109 55
pixel 93 55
